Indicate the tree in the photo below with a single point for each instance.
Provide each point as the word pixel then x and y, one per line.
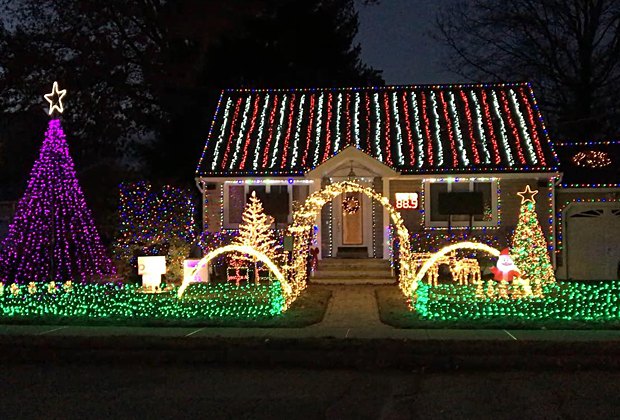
pixel 147 73
pixel 52 236
pixel 568 49
pixel 529 247
pixel 255 231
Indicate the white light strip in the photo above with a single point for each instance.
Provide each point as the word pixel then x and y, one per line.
pixel 439 153
pixel 220 138
pixel 317 137
pixel 399 134
pixel 524 131
pixel 297 131
pixel 261 127
pixel 338 112
pixel 418 129
pixel 241 133
pixel 276 144
pixel 483 138
pixel 502 130
pixel 457 130
pixel 378 141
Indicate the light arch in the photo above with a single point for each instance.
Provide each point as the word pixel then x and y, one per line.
pixel 303 223
pixel 446 250
pixel 244 249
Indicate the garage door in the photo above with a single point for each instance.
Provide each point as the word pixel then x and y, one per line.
pixel 593 242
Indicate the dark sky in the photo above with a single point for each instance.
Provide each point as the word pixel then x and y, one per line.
pixel 394 37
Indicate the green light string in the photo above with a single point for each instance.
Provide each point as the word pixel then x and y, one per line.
pixel 119 303
pixel 592 301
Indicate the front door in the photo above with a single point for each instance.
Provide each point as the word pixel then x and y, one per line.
pixel 352 219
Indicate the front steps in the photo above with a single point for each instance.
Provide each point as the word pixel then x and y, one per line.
pixel 353 271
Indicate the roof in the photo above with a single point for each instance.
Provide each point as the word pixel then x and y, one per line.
pixel 589 163
pixel 412 129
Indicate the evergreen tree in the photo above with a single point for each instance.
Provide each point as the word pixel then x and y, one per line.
pixel 52 236
pixel 529 247
pixel 255 231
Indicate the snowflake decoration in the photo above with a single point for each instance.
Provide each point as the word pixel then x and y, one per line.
pixel 350 205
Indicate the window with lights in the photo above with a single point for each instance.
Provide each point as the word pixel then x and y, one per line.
pixel 434 190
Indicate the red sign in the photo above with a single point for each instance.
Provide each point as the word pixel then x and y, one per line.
pixel 406 201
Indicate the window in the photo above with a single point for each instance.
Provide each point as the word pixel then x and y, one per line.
pixel 487 190
pixel 275 199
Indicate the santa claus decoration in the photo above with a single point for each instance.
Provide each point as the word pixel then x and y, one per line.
pixel 506 270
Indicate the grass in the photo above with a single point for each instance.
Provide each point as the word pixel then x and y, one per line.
pixel 591 305
pixel 222 305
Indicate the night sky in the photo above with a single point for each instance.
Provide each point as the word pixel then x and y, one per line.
pixel 394 38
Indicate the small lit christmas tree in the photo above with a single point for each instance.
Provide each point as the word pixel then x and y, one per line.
pixel 52 235
pixel 529 247
pixel 255 231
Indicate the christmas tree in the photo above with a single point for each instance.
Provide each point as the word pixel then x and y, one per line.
pixel 529 247
pixel 52 236
pixel 255 231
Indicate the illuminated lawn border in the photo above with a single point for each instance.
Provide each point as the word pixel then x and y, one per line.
pixel 568 301
pixel 115 304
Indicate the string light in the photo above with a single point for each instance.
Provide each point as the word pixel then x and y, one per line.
pixel 502 129
pixel 270 129
pixel 250 131
pixel 261 128
pixel 328 131
pixel 377 142
pixel 591 159
pixel 274 153
pixel 470 131
pixel 437 130
pixel 220 139
pixel 457 130
pixel 317 131
pixel 571 301
pixel 241 135
pixel 388 135
pixel 523 125
pixel 418 130
pixel 233 123
pixel 399 134
pixel 408 129
pixel 453 150
pixel 52 235
pixel 297 133
pixel 118 303
pixel 356 120
pixel 291 113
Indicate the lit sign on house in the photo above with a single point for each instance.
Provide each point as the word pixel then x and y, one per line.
pixel 406 201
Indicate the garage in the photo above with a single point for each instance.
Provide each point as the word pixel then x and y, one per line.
pixel 592 241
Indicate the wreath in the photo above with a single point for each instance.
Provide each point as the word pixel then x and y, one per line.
pixel 350 205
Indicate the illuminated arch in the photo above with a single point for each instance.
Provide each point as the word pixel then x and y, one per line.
pixel 303 222
pixel 286 288
pixel 446 250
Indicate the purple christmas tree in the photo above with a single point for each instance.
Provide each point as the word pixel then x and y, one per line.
pixel 52 236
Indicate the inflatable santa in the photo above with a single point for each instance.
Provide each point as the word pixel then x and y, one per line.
pixel 506 269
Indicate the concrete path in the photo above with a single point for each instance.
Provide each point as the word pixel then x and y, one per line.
pixel 352 307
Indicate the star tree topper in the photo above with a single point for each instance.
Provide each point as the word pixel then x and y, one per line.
pixel 55 99
pixel 527 195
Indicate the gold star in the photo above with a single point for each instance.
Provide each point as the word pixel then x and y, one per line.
pixel 528 192
pixel 55 104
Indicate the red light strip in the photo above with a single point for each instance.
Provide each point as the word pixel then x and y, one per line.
pixel 232 132
pixel 534 131
pixel 444 108
pixel 272 117
pixel 513 127
pixel 291 112
pixel 328 130
pixel 427 131
pixel 248 137
pixel 489 123
pixel 408 129
pixel 309 132
pixel 470 127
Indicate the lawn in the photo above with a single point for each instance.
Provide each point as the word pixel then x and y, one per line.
pixel 221 305
pixel 566 305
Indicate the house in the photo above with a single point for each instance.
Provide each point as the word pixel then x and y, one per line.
pixel 588 210
pixel 416 145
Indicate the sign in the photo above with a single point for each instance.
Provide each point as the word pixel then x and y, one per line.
pixel 406 201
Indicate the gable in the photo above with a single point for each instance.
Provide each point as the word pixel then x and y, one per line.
pixel 411 129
